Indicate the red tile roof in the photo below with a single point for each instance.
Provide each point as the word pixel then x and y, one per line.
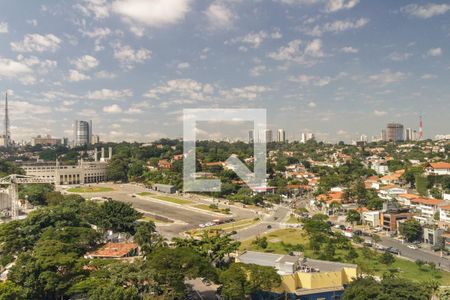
pixel 114 250
pixel 440 165
pixel 428 201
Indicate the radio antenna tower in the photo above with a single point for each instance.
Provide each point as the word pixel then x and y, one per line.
pixel 420 128
pixel 7 132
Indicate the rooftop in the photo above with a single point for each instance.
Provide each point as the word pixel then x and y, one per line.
pixel 114 250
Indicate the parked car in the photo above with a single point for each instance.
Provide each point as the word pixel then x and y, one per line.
pixel 413 247
pixel 341 227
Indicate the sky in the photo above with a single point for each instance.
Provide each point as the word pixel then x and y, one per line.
pixel 336 68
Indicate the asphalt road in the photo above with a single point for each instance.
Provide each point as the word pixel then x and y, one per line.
pixel 185 218
pixel 273 220
pixel 414 255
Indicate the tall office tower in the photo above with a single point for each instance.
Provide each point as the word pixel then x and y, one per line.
pixel 251 137
pixel 420 129
pixel 268 136
pixel 306 136
pixel 383 135
pixel 82 133
pixel 395 132
pixel 281 136
pixel 303 137
pixel 363 138
pixel 409 134
pixel 5 138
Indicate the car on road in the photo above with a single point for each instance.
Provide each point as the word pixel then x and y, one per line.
pixel 393 250
pixel 413 247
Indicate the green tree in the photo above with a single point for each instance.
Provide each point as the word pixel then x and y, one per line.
pixel 353 216
pixel 117 169
pixel 117 216
pixel 387 258
pixel 35 193
pixel 11 291
pixel 422 185
pixel 146 236
pixel 411 230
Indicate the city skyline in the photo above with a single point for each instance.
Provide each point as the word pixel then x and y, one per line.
pixel 338 69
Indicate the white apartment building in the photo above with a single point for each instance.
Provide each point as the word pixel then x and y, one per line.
pixel 444 213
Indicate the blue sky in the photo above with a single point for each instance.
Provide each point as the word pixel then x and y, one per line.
pixel 337 68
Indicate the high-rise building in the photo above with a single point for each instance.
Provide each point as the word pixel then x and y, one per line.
pixel 383 135
pixel 95 139
pixel 251 136
pixel 281 136
pixel 306 136
pixel 269 136
pixel 409 134
pixel 5 139
pixel 82 134
pixel 395 132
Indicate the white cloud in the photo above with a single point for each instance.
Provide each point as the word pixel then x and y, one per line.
pixel 128 56
pixel 152 13
pixel 84 63
pixel 99 9
pixel 219 15
pixel 349 49
pixel 425 11
pixel 107 94
pixel 311 80
pixel 399 56
pixel 75 76
pixel 14 69
pixel 335 5
pixel 293 52
pixel 379 113
pixel 434 52
pixel 312 104
pixel 183 65
pixel 250 92
pixel 105 75
pixel 185 88
pixel 300 2
pixel 112 109
pixel 428 76
pixel 258 70
pixel 3 27
pixel 387 76
pixel 38 43
pixel 33 22
pixel 336 27
pixel 255 39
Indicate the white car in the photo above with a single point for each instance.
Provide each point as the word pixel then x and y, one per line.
pixel 201 225
pixel 414 247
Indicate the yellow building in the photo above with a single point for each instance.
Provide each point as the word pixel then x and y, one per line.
pixel 305 278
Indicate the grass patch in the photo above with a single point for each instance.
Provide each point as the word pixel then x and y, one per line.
pixel 228 227
pixel 293 220
pixel 209 208
pixel 151 219
pixel 283 241
pixel 172 199
pixel 144 194
pixel 90 189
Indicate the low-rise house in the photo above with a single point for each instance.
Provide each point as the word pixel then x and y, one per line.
pixel 115 250
pixel 164 164
pixel 371 218
pixel 304 278
pixel 165 188
pixel 427 207
pixel 390 192
pixel 438 168
pixel 405 199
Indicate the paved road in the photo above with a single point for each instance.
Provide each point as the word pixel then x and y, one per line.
pixel 416 254
pixel 187 219
pixel 273 220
